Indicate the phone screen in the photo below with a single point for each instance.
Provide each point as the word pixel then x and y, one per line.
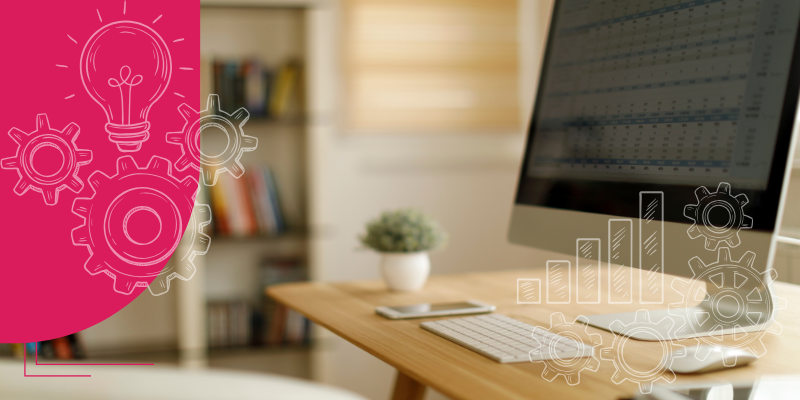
pixel 427 307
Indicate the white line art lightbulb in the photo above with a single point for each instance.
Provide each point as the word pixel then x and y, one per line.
pixel 126 67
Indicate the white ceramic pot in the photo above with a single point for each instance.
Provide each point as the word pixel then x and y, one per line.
pixel 405 272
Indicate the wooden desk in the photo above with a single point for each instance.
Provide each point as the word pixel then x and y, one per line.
pixel 422 358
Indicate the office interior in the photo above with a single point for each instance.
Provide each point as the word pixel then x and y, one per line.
pixel 392 104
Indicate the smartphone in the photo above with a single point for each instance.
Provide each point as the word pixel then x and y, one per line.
pixel 434 310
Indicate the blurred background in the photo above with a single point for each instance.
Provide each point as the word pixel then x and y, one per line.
pixel 359 106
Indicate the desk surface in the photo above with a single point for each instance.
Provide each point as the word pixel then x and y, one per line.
pixel 347 309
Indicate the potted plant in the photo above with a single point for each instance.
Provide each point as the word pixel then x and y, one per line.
pixel 403 238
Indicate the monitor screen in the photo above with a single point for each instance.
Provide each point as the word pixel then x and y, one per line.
pixel 663 95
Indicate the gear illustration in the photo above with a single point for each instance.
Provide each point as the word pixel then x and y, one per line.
pixel 570 368
pixel 193 243
pixel 32 174
pixel 714 230
pixel 211 165
pixel 731 292
pixel 133 222
pixel 626 360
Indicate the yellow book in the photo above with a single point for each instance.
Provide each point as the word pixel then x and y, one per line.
pixel 219 207
pixel 283 87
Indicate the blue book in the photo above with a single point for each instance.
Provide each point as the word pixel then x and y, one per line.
pixel 273 195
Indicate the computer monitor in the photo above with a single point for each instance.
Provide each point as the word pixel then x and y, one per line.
pixel 660 139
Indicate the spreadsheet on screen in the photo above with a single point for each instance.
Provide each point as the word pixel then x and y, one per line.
pixel 690 91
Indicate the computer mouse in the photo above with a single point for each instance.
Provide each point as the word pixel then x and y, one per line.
pixel 700 359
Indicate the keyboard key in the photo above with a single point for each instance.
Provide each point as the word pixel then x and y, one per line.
pixel 505 339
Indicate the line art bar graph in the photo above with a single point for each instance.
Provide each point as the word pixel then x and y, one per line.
pixel 529 291
pixel 651 247
pixel 558 282
pixel 587 265
pixel 620 260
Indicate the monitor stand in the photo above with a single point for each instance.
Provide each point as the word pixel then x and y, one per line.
pixel 729 304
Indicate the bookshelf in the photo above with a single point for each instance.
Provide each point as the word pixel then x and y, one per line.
pixel 234 36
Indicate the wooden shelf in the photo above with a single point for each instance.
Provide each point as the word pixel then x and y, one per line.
pixel 291 235
pixel 267 122
pixel 232 265
pixel 221 352
pixel 260 125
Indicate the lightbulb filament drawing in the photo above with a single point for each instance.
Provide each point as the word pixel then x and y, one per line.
pixel 124 75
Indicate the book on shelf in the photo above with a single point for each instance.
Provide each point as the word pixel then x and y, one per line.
pixel 247 206
pixel 263 91
pixel 238 323
pixel 69 347
pixel 229 323
pixel 282 325
pixel 257 82
pixel 285 82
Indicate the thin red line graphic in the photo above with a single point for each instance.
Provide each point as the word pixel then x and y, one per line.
pixel 36 360
pixel 25 370
pixel 36 354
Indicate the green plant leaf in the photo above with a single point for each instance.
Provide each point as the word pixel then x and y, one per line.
pixel 405 230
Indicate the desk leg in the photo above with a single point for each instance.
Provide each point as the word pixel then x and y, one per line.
pixel 407 388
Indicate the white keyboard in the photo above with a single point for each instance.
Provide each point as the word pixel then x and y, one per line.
pixel 507 340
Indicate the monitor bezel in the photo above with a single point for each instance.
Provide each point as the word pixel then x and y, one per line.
pixel 615 198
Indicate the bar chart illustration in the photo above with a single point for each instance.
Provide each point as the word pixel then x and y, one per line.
pixel 558 282
pixel 620 261
pixel 529 291
pixel 651 247
pixel 587 266
pixel 588 281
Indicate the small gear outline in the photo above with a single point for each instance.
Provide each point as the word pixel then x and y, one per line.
pixel 49 185
pixel 742 274
pixel 104 232
pixel 570 368
pixel 188 138
pixel 642 325
pixel 700 214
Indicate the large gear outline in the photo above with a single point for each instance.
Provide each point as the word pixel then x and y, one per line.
pixel 188 138
pixel 642 325
pixel 700 214
pixel 721 274
pixel 570 368
pixel 49 185
pixel 193 243
pixel 112 250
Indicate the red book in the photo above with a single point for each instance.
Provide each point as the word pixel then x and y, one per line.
pixel 277 326
pixel 247 205
pixel 62 348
